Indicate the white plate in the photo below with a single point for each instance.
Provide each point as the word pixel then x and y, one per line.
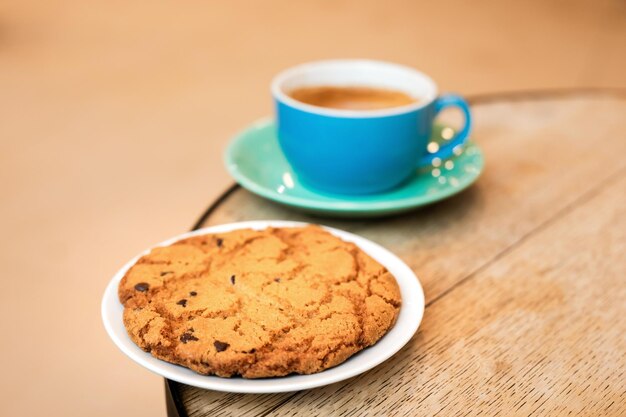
pixel 408 321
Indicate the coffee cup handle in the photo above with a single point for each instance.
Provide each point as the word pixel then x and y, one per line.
pixel 446 150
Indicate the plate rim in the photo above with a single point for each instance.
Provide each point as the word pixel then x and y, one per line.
pixel 408 282
pixel 334 206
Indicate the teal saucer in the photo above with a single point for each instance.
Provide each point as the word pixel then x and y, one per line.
pixel 255 161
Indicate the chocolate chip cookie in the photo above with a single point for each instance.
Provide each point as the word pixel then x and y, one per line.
pixel 258 303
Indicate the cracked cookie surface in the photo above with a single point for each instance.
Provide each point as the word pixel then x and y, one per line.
pixel 258 303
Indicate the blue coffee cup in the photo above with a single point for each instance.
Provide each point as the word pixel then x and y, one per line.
pixel 361 151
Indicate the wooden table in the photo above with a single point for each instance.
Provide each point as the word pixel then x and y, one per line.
pixel 524 275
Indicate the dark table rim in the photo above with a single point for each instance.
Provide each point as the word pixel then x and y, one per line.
pixel 175 407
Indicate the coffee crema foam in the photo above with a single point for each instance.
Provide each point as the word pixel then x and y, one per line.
pixel 351 97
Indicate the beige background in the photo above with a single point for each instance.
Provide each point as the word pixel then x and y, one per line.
pixel 114 114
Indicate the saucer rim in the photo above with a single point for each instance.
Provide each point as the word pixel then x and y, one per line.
pixel 335 206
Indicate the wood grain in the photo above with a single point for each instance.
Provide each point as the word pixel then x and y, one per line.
pixel 522 275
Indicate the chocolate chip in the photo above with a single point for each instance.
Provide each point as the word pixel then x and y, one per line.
pixel 232 279
pixel 142 286
pixel 188 337
pixel 193 293
pixel 191 329
pixel 277 279
pixel 166 272
pixel 220 346
pixel 219 242
pixel 182 302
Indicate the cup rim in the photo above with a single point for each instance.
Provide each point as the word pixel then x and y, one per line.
pixel 279 79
